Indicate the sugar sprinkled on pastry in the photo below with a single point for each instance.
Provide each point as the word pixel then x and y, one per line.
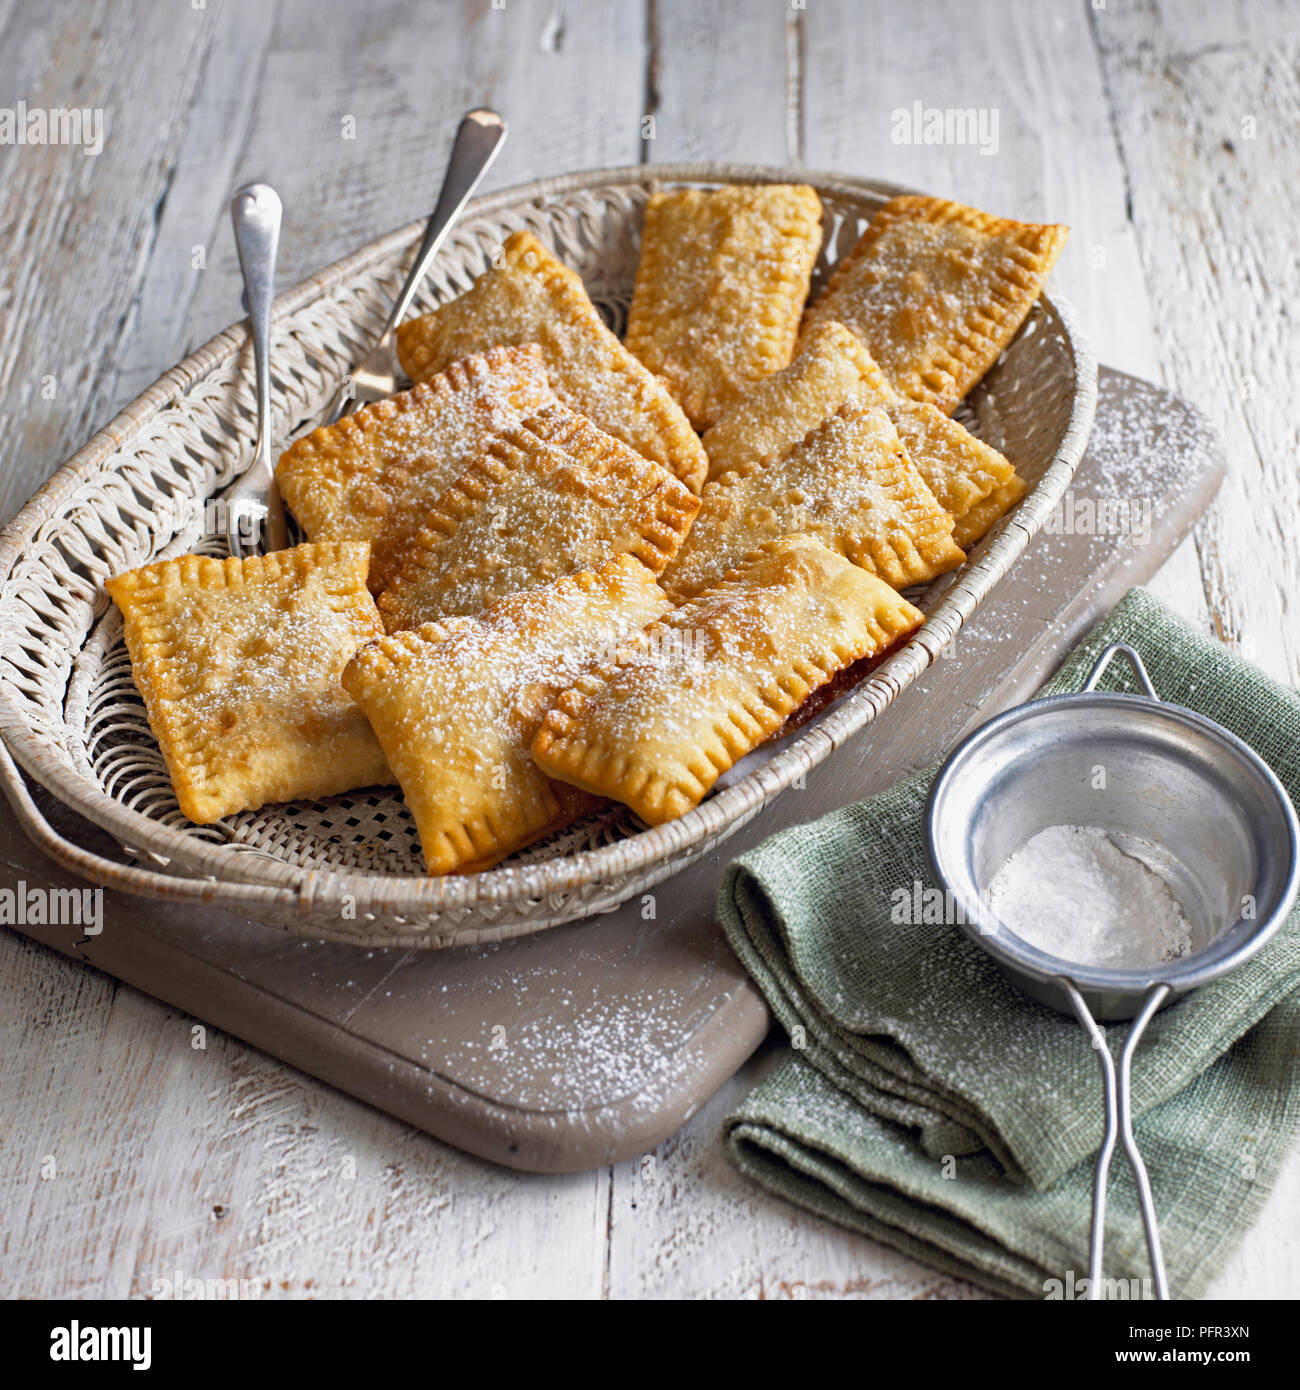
pixel 936 290
pixel 374 474
pixel 674 707
pixel 455 705
pixel 971 480
pixel 239 663
pixel 832 368
pixel 549 496
pixel 531 297
pixel 720 288
pixel 973 524
pixel 850 483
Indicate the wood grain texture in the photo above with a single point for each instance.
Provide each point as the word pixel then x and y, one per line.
pixel 718 79
pixel 78 232
pixel 1126 122
pixel 1205 100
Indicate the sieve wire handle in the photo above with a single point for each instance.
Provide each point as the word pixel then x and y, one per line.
pixel 1134 660
pixel 1119 1125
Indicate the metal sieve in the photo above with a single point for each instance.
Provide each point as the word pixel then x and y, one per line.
pixel 1228 845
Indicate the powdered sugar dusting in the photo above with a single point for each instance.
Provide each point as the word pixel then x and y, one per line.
pixel 1085 896
pixel 375 474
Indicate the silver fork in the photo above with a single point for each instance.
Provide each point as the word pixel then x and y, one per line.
pixel 478 139
pixel 254 504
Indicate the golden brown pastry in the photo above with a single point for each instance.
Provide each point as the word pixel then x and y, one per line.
pixel 550 496
pixel 971 480
pixel 831 368
pixel 374 475
pixel 455 705
pixel 849 483
pixel 531 297
pixel 674 707
pixel 720 288
pixel 971 525
pixel 239 664
pixel 936 290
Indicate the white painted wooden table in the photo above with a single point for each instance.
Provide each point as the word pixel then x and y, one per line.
pixel 1164 132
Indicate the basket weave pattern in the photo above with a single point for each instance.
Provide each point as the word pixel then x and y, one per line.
pixel 349 868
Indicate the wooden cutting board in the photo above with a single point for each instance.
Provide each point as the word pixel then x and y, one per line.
pixel 590 1043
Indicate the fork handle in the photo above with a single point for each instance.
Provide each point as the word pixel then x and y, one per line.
pixel 256 211
pixel 478 139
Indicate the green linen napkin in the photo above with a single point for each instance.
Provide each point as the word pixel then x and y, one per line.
pixel 929 1103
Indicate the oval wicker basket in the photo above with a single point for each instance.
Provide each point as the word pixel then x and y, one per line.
pixel 349 869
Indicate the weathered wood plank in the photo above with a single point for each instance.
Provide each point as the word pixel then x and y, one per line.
pixel 1206 101
pixel 720 80
pixel 193 213
pixel 77 231
pixel 221 1163
pixel 355 117
pixel 685 1223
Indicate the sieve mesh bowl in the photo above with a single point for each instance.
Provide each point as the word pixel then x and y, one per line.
pixel 1222 823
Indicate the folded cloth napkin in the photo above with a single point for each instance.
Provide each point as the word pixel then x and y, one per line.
pixel 929 1103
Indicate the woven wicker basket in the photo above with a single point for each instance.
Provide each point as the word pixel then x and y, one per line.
pixel 349 869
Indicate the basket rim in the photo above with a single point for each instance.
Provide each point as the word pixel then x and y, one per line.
pixel 371 891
